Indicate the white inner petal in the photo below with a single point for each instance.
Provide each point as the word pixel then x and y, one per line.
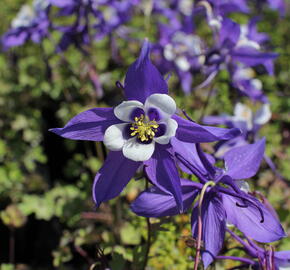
pixel 137 151
pixel 284 267
pixel 124 110
pixel 244 73
pixel 40 4
pixel 171 126
pixel 256 83
pixel 185 6
pixel 24 17
pixel 263 115
pixel 113 138
pixel 182 63
pixel 243 113
pixel 169 53
pixel 164 103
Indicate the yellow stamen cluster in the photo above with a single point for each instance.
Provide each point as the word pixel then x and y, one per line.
pixel 143 128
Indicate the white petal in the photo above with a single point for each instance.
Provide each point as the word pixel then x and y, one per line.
pixel 182 63
pixel 113 137
pixel 169 52
pixel 243 113
pixel 248 43
pixel 124 110
pixel 257 84
pixel 137 151
pixel 284 267
pixel 171 126
pixel 163 103
pixel 263 115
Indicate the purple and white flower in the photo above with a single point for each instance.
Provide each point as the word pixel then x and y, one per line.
pixel 247 121
pixel 31 23
pixel 140 131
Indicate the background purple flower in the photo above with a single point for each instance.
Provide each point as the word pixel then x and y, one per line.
pixel 31 23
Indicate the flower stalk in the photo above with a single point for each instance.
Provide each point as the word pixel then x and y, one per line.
pixel 198 244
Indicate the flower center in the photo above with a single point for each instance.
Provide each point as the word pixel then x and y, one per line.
pixel 143 128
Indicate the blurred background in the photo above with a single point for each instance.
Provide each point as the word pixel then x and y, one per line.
pixel 47 217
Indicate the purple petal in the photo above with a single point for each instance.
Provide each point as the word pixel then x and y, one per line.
pixel 14 37
pixel 206 161
pixel 216 120
pixel 244 161
pixel 229 33
pixel 189 153
pixel 113 176
pixel 251 57
pixel 249 220
pixel 232 6
pixel 213 227
pixel 186 81
pixel 189 131
pixel 162 171
pixel 282 259
pixel 155 203
pixel 62 3
pixel 253 34
pixel 143 79
pixel 223 147
pixel 88 125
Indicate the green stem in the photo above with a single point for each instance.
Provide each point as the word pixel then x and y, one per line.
pixel 199 234
pixel 148 236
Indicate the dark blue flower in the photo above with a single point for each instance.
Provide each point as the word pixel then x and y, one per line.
pixel 219 205
pixel 140 131
pixel 244 119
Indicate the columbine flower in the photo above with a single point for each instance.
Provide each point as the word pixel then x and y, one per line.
pixel 236 47
pixel 140 131
pixel 243 79
pixel 94 19
pixel 178 48
pixel 181 51
pixel 244 119
pixel 30 23
pixel 220 205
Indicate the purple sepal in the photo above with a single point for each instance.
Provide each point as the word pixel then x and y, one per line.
pixel 189 153
pixel 215 120
pixel 162 171
pixel 229 33
pixel 282 259
pixel 88 125
pixel 253 219
pixel 153 202
pixel 244 161
pixel 63 3
pixel 213 226
pixel 143 79
pixel 189 131
pixel 113 177
pixel 252 57
pixel 14 37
